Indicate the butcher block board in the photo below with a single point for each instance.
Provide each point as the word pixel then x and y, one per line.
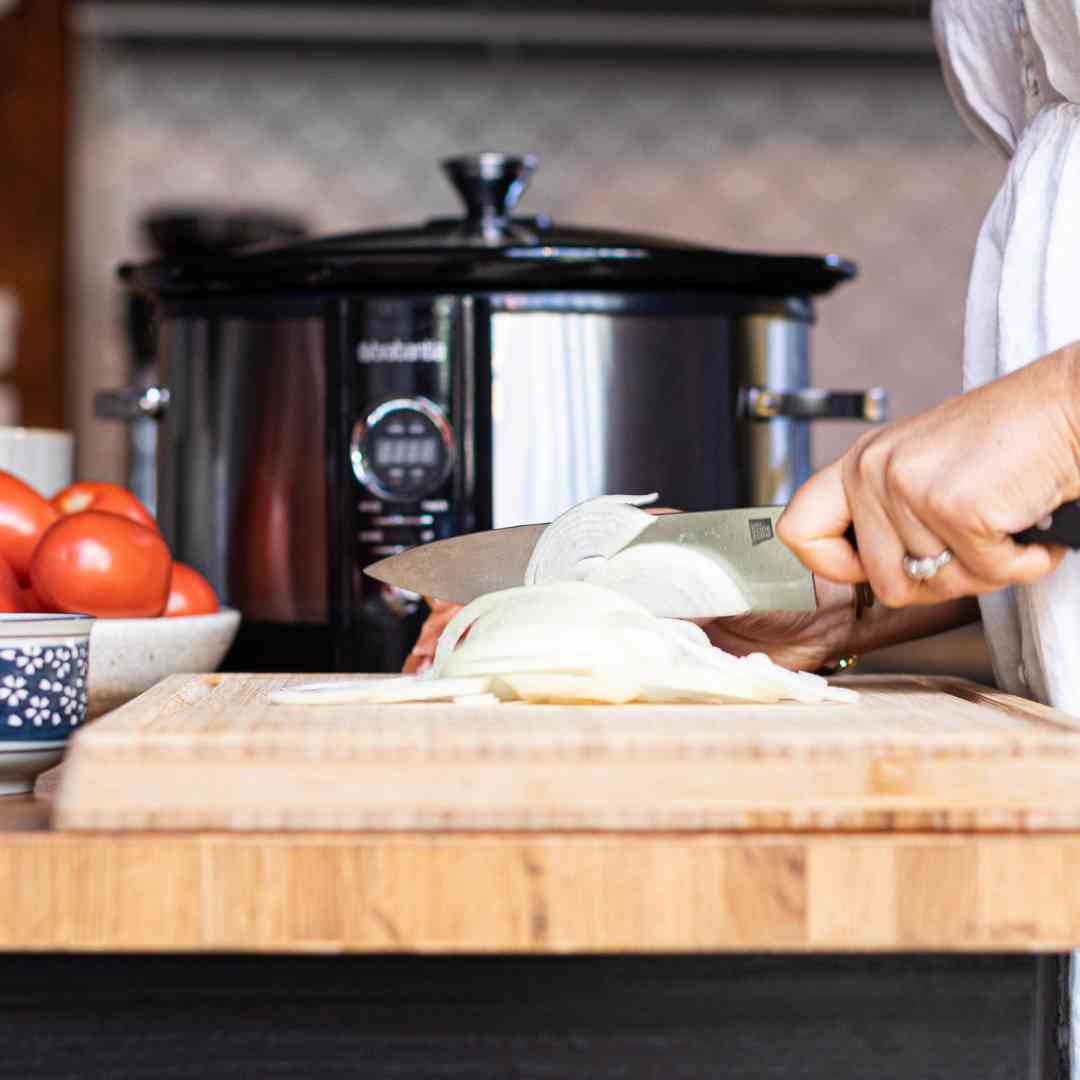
pixel 209 752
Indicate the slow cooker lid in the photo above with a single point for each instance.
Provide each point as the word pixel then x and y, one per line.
pixel 488 246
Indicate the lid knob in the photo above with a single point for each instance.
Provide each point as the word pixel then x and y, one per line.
pixel 490 185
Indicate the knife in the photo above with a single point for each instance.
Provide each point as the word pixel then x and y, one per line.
pixel 771 578
pixel 464 567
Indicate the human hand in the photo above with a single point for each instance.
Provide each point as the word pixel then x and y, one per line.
pixel 423 652
pixel 799 640
pixel 964 476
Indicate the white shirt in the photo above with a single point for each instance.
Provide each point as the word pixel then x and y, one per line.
pixel 1013 68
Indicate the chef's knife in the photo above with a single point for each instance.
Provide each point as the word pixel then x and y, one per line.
pixel 771 577
pixel 465 567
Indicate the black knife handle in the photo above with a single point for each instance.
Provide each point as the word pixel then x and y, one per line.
pixel 1064 528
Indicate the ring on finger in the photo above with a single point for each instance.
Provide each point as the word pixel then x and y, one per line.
pixel 924 568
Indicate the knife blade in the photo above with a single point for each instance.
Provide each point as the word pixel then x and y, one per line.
pixel 462 568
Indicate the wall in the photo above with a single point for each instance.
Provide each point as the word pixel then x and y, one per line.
pixel 866 160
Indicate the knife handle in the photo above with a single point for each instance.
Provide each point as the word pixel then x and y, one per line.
pixel 1064 528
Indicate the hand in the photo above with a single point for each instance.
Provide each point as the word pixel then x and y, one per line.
pixel 423 652
pixel 799 640
pixel 963 476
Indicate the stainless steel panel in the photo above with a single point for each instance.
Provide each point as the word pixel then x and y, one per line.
pixel 242 487
pixel 588 404
pixel 774 352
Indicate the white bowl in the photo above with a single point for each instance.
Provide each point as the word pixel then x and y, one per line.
pixel 43 692
pixel 128 656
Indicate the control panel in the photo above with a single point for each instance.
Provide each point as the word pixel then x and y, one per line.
pixel 402 455
pixel 407 439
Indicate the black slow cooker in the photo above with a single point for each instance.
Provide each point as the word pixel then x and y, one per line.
pixel 326 403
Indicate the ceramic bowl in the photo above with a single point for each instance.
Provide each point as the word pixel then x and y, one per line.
pixel 129 655
pixel 43 692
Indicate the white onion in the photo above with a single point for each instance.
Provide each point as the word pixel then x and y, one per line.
pixel 381 691
pixel 671 580
pixel 590 625
pixel 597 529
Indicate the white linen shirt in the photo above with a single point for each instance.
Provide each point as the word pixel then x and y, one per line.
pixel 1013 69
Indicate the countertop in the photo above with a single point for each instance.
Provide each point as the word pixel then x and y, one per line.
pixel 530 893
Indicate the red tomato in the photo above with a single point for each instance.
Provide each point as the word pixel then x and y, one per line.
pixel 28 601
pixel 24 516
pixel 190 593
pixel 8 578
pixel 109 498
pixel 9 600
pixel 102 564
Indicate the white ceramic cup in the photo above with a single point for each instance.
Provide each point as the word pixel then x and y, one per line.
pixel 44 458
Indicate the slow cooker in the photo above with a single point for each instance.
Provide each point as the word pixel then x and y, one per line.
pixel 325 403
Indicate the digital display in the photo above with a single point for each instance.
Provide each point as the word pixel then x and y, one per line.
pixel 406 452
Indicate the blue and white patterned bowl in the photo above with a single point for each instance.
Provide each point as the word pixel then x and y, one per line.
pixel 43 690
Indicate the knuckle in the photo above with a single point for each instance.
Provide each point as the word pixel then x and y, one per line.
pixel 903 478
pixel 871 461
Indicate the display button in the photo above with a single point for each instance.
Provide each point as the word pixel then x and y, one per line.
pixel 372 536
pixel 427 536
pixel 435 506
pixel 403 449
pixel 370 506
pixel 404 519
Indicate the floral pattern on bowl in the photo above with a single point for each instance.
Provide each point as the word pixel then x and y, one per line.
pixel 44 662
pixel 42 689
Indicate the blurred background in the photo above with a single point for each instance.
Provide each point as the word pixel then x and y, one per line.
pixel 797 126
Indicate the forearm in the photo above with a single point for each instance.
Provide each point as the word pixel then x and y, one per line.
pixel 881 626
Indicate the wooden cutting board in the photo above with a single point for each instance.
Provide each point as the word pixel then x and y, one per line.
pixel 209 752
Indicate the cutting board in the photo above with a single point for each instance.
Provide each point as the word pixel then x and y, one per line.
pixel 209 752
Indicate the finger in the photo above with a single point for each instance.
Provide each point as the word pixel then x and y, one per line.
pixel 882 553
pixel 919 540
pixel 814 524
pixel 1001 561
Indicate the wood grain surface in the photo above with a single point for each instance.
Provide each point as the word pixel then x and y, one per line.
pixel 209 752
pixel 532 894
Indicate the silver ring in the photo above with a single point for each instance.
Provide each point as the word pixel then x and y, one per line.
pixel 925 568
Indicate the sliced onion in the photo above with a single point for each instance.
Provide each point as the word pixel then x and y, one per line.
pixel 592 530
pixel 381 691
pixel 671 580
pixel 571 689
pixel 590 625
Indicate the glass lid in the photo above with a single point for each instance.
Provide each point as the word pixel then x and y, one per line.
pixel 489 247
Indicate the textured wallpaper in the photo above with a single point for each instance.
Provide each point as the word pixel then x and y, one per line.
pixel 865 160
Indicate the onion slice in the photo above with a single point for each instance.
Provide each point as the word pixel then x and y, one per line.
pixel 597 529
pixel 391 691
pixel 672 580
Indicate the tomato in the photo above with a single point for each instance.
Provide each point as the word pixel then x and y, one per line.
pixel 28 601
pixel 9 600
pixel 190 593
pixel 24 516
pixel 102 564
pixel 8 578
pixel 110 498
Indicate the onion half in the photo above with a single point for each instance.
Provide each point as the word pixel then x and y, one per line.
pixel 590 625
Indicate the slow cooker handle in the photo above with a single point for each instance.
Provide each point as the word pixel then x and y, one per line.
pixel 132 403
pixel 813 403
